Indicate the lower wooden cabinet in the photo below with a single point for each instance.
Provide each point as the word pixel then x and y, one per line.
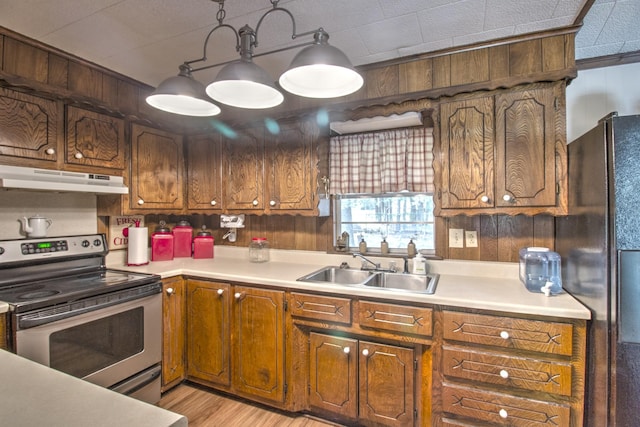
pixel 258 343
pixel 173 332
pixel 208 331
pixel 3 332
pixel 362 381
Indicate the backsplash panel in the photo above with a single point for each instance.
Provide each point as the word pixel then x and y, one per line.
pixel 71 213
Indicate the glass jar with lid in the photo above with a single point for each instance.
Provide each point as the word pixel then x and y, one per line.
pixel 259 249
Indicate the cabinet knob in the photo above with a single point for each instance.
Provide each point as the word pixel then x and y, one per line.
pixel 504 373
pixel 484 199
pixel 503 413
pixel 507 198
pixel 213 203
pixel 272 203
pixel 255 203
pixel 140 202
pixel 346 350
pixel 220 291
pixel 365 352
pixel 504 335
pixel 78 155
pixel 169 291
pixel 50 151
pixel 237 295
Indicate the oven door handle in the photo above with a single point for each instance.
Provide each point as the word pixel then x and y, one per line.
pixel 30 320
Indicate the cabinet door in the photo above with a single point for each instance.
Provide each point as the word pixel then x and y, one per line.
pixel 334 375
pixel 204 173
pixel 94 139
pixel 156 176
pixel 173 332
pixel 258 347
pixel 466 149
pixel 29 128
pixel 244 170
pixel 208 331
pixel 386 385
pixel 291 163
pixel 525 148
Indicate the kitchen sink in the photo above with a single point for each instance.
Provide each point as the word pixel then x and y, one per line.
pixel 406 282
pixel 374 279
pixel 337 275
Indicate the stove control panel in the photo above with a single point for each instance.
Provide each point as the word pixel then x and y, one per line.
pixel 12 251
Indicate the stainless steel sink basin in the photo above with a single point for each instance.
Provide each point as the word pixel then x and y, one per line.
pixel 406 282
pixel 375 279
pixel 337 275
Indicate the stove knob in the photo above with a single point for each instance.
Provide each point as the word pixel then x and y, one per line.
pixel 1 250
pixel 97 242
pixel 85 243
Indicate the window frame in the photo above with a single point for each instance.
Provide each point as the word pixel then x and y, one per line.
pixel 374 249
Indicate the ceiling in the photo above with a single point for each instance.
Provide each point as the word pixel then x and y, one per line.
pixel 148 39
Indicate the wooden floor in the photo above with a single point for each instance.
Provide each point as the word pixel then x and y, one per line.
pixel 204 408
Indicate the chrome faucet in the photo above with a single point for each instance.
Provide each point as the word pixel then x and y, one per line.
pixel 375 265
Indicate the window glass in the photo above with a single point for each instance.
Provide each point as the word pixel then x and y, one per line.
pixel 396 217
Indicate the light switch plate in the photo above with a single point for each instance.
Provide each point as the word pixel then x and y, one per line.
pixel 456 238
pixel 471 239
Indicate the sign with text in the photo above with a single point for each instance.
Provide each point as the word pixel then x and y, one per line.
pixel 117 238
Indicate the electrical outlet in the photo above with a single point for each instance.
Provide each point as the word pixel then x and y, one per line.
pixel 456 238
pixel 471 239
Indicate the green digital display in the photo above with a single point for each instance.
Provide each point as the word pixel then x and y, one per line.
pixel 44 245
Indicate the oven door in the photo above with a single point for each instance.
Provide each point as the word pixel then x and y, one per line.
pixel 105 346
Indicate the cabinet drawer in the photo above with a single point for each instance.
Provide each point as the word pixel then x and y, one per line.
pixel 502 410
pixel 508 332
pixel 397 318
pixel 517 372
pixel 332 309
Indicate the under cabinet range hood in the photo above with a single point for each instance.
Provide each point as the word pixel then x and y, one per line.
pixel 63 181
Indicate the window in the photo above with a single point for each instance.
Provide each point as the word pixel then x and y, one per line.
pixel 396 217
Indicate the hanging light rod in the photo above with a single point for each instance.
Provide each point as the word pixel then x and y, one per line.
pixel 318 71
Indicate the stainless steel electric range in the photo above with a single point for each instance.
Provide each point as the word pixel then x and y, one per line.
pixel 68 311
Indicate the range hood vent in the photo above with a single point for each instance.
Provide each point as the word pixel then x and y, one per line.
pixel 53 180
pixel 371 124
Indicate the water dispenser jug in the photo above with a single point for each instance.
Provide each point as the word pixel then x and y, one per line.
pixel 540 270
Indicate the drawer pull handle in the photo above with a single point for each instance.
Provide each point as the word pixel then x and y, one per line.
pixel 503 413
pixel 365 352
pixel 220 291
pixel 504 374
pixel 346 350
pixel 504 335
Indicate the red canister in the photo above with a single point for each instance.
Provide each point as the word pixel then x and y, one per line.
pixel 203 245
pixel 162 243
pixel 183 236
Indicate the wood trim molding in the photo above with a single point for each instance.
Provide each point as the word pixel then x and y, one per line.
pixel 608 61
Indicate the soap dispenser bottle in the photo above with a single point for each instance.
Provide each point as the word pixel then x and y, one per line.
pixel 411 248
pixel 419 264
pixel 362 247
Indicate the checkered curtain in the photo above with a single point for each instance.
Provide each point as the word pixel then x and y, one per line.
pixel 382 162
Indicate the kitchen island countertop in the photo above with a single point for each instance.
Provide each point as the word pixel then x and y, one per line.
pixel 464 284
pixel 33 394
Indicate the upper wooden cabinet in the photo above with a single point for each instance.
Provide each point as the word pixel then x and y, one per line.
pixel 156 179
pixel 94 139
pixel 265 170
pixel 30 129
pixel 204 173
pixel 502 153
pixel 243 169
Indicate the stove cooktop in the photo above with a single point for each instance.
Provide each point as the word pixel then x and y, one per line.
pixel 47 293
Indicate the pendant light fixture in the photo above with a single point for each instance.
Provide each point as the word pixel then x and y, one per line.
pixel 318 71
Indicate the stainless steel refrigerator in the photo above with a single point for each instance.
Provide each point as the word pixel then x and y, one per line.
pixel 599 242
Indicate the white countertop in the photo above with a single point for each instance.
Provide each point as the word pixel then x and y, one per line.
pixel 467 284
pixel 35 395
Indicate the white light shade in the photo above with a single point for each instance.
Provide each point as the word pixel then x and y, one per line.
pixel 321 71
pixel 244 84
pixel 184 95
